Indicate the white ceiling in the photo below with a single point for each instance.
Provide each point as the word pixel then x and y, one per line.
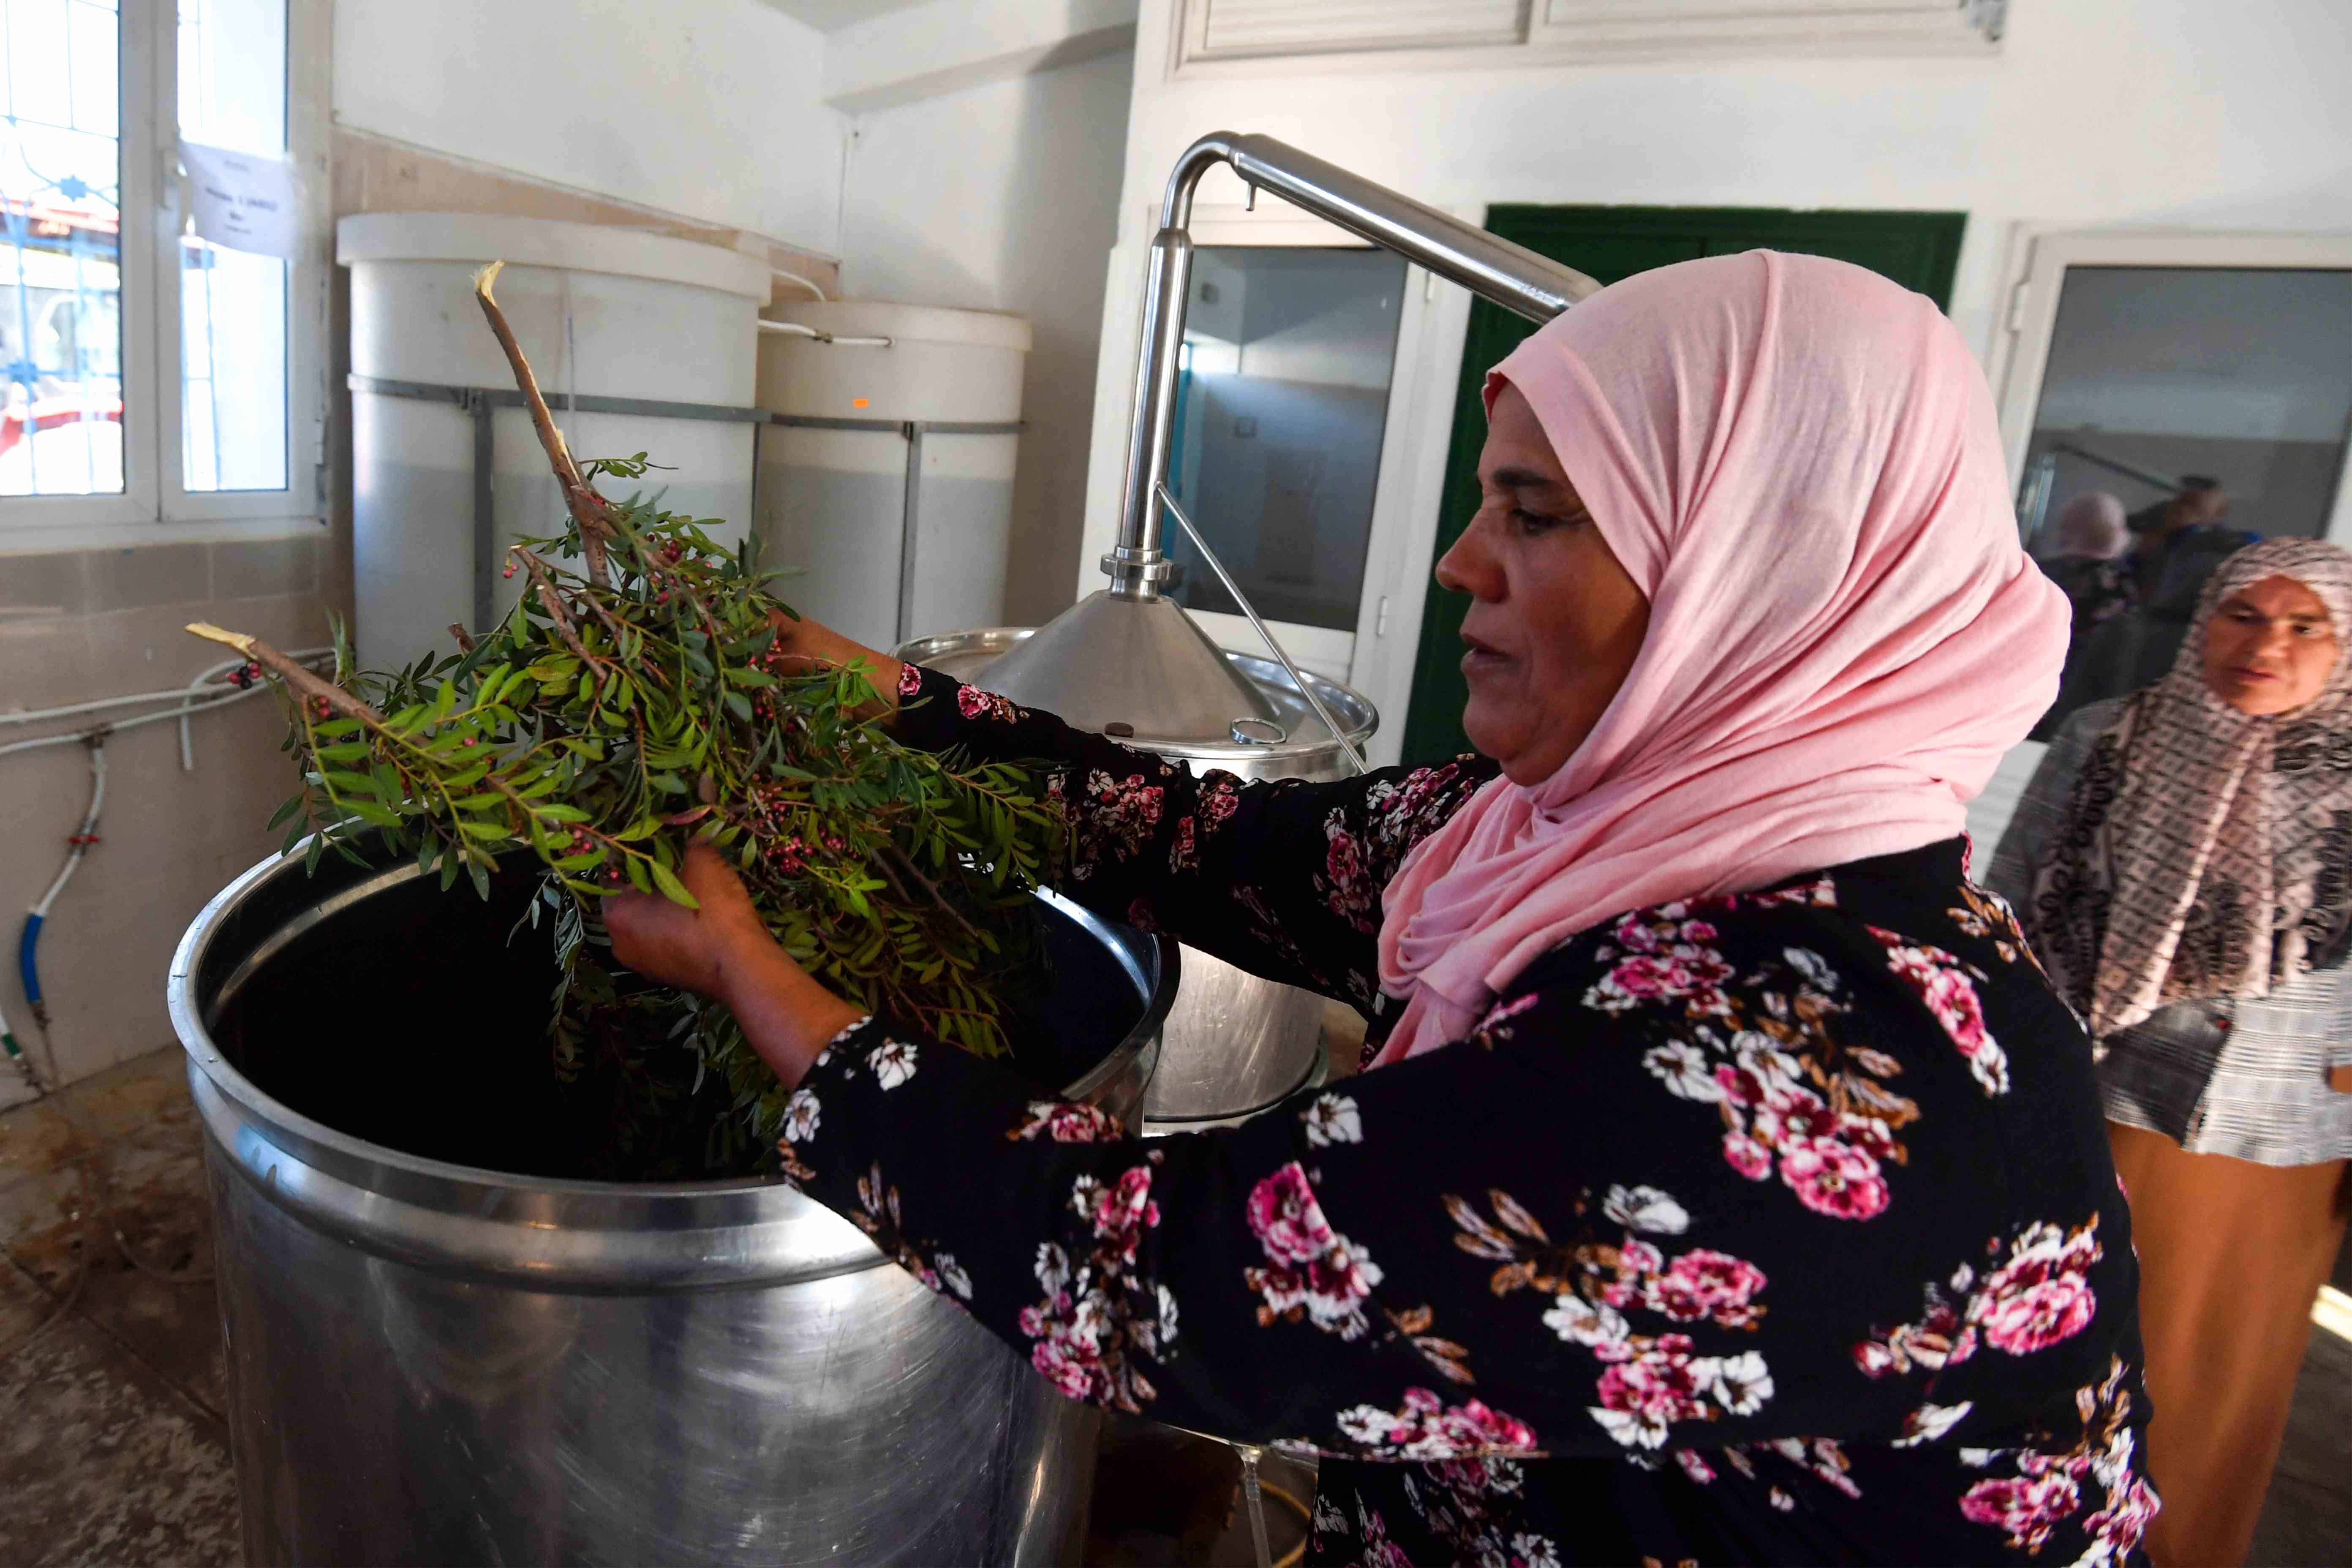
pixel 831 16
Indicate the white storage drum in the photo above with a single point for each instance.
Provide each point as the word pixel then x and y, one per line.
pixel 641 342
pixel 885 488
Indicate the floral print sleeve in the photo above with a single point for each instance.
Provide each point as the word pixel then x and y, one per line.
pixel 1778 1227
pixel 1282 878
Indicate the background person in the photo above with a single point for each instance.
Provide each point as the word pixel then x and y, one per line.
pixel 2182 861
pixel 2091 535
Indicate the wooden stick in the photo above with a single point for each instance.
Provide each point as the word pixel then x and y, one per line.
pixel 596 607
pixel 548 596
pixel 891 852
pixel 302 681
pixel 587 507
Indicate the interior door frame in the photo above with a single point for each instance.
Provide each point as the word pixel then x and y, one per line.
pixel 1388 615
pixel 2034 275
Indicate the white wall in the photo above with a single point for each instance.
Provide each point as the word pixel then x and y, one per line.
pixel 708 108
pixel 1003 197
pixel 2095 112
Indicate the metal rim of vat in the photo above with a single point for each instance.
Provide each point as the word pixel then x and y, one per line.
pixel 590 1237
pixel 1307 740
pixel 1317 1073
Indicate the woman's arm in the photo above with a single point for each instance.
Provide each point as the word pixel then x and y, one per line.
pixel 1540 1239
pixel 1281 877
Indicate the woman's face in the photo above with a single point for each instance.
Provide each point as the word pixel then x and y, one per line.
pixel 1555 622
pixel 2270 647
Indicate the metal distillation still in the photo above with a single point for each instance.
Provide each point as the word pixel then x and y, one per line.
pixel 1129 655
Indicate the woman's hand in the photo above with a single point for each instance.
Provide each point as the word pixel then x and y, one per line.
pixel 692 949
pixel 722 950
pixel 809 645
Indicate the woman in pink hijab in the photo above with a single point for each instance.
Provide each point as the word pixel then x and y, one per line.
pixel 1729 1184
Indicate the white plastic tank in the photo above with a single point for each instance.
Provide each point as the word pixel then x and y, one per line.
pixel 602 314
pixel 834 497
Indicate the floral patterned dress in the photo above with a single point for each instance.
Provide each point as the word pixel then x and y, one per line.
pixel 1778 1228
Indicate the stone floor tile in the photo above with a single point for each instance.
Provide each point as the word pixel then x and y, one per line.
pixel 125 1204
pixel 150 1277
pixel 144 1100
pixel 103 1463
pixel 44 1222
pixel 24 1305
pixel 32 1140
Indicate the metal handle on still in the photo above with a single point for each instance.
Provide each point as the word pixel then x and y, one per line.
pixel 1298 678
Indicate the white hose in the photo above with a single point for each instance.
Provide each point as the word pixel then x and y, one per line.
pixel 82 737
pixel 34 715
pixel 190 700
pixel 796 278
pixel 797 330
pixel 81 841
pixel 187 740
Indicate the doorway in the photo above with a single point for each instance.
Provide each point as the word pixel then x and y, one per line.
pixel 1916 249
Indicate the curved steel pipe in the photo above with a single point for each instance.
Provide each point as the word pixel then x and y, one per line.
pixel 1511 276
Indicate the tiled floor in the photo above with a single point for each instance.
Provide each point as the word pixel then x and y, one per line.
pixel 112 1445
pixel 113 1450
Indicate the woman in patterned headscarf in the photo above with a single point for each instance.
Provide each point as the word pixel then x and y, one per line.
pixel 2183 863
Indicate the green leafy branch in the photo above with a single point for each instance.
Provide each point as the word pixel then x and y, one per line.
pixel 634 701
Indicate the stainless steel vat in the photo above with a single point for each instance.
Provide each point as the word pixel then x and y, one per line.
pixel 433 1359
pixel 1234 1043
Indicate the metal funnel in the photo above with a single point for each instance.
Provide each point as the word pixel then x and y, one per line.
pixel 1142 665
pixel 1128 657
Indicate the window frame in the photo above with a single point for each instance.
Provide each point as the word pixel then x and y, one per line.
pixel 2034 276
pixel 154 504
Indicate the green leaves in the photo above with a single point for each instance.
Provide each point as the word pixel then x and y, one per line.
pixel 600 738
pixel 672 889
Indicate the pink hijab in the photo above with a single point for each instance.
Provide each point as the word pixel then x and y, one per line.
pixel 1797 461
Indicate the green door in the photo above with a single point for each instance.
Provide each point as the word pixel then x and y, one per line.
pixel 1916 249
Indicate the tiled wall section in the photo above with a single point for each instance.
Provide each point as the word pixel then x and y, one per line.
pixel 101 623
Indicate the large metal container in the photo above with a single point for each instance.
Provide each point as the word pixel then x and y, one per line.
pixel 1234 1043
pixel 434 1359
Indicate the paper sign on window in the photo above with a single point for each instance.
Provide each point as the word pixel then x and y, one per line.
pixel 239 201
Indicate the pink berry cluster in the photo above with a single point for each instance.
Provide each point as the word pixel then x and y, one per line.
pixel 787 850
pixel 669 554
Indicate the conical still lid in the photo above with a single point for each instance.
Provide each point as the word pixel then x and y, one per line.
pixel 1138 667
